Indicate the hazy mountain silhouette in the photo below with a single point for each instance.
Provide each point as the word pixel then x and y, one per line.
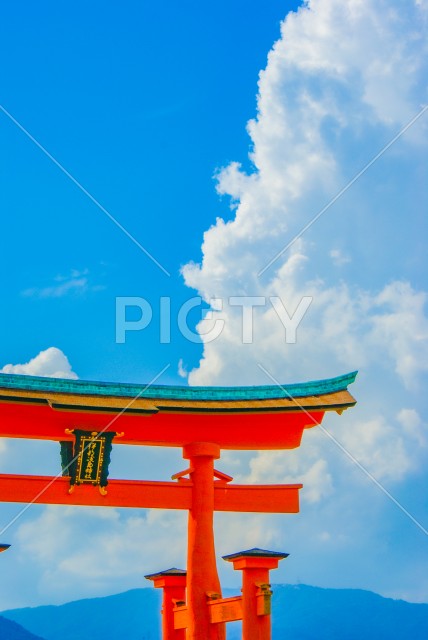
pixel 299 612
pixel 10 630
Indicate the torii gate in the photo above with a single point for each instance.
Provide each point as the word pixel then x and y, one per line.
pixel 200 420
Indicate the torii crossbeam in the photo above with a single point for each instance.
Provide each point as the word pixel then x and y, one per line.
pixel 200 420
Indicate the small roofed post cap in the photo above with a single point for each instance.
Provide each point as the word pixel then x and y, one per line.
pixel 256 553
pixel 174 572
pixel 4 547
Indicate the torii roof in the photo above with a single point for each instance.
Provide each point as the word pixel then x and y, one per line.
pixel 163 392
pixel 234 417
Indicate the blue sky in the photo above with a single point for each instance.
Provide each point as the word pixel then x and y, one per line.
pixel 214 147
pixel 141 106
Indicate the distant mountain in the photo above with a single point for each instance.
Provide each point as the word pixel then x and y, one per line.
pixel 300 612
pixel 304 613
pixel 12 631
pixel 133 615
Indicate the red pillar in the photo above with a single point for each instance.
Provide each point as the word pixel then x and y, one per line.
pixel 173 583
pixel 201 562
pixel 256 594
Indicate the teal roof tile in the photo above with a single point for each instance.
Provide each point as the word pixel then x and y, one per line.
pixel 171 392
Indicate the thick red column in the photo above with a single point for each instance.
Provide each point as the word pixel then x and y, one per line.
pixel 173 583
pixel 255 565
pixel 201 562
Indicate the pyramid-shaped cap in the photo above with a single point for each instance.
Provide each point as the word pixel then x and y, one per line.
pixel 256 553
pixel 168 572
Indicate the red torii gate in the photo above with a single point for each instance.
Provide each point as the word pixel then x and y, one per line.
pixel 202 421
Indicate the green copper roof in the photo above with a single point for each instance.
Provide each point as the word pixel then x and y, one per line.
pixel 265 392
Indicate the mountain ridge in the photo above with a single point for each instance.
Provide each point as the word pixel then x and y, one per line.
pixel 10 630
pixel 299 612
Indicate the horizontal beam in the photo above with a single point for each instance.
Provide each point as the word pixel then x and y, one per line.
pixel 148 494
pixel 262 498
pixel 225 609
pixel 240 430
pixel 181 617
pixel 120 493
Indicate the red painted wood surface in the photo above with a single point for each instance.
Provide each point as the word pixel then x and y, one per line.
pixel 271 430
pixel 256 594
pixel 181 617
pixel 202 575
pixel 120 493
pixel 225 609
pixel 173 591
pixel 149 494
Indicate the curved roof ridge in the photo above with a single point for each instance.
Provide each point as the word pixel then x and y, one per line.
pixel 175 392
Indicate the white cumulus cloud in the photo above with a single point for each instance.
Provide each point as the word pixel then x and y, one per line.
pixel 339 84
pixel 341 76
pixel 50 363
pixel 119 546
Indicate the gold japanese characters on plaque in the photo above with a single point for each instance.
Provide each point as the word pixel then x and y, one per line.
pixel 86 461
